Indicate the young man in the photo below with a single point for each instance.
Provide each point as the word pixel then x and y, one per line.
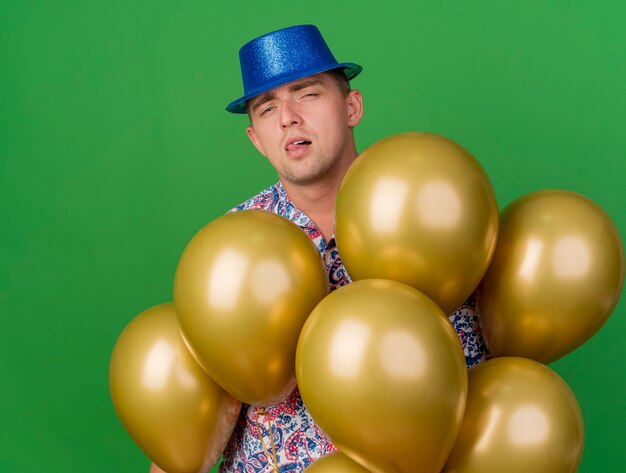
pixel 302 113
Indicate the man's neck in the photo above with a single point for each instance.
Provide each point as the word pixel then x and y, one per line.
pixel 317 201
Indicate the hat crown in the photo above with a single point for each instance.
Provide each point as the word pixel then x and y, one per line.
pixel 282 53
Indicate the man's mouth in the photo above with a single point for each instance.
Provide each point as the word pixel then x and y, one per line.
pixel 296 143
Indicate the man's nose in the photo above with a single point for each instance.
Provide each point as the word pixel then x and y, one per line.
pixel 289 115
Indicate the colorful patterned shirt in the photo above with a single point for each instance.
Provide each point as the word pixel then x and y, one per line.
pixel 286 431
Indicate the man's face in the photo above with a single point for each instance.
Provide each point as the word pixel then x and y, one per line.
pixel 304 128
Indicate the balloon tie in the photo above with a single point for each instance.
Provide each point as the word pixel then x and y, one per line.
pixel 263 412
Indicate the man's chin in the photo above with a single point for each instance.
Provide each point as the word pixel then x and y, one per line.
pixel 299 180
pixel 304 177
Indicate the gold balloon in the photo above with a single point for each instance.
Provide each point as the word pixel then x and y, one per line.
pixel 335 462
pixel 382 372
pixel 243 289
pixel 556 276
pixel 173 410
pixel 419 209
pixel 520 417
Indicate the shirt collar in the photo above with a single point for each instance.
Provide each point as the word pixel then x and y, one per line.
pixel 286 208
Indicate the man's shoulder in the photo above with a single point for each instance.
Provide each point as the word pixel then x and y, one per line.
pixel 266 200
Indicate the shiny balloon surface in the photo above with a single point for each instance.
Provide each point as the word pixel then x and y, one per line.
pixel 555 278
pixel 520 417
pixel 174 411
pixel 336 462
pixel 382 372
pixel 243 289
pixel 419 209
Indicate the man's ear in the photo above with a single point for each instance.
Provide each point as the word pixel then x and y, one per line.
pixel 254 139
pixel 354 105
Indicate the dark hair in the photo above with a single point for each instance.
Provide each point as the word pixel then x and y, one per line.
pixel 342 82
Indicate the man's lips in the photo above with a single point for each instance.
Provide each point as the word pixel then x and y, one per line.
pixel 296 143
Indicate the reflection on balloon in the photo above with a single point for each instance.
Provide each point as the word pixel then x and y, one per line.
pixel 520 417
pixel 335 462
pixel 174 411
pixel 555 278
pixel 419 209
pixel 382 372
pixel 243 289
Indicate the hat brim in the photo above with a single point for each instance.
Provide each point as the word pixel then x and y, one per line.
pixel 350 70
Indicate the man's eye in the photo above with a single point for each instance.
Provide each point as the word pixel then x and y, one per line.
pixel 311 94
pixel 267 110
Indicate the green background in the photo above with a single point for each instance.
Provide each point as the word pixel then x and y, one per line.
pixel 115 149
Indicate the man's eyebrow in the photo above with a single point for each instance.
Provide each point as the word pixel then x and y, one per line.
pixel 304 84
pixel 261 99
